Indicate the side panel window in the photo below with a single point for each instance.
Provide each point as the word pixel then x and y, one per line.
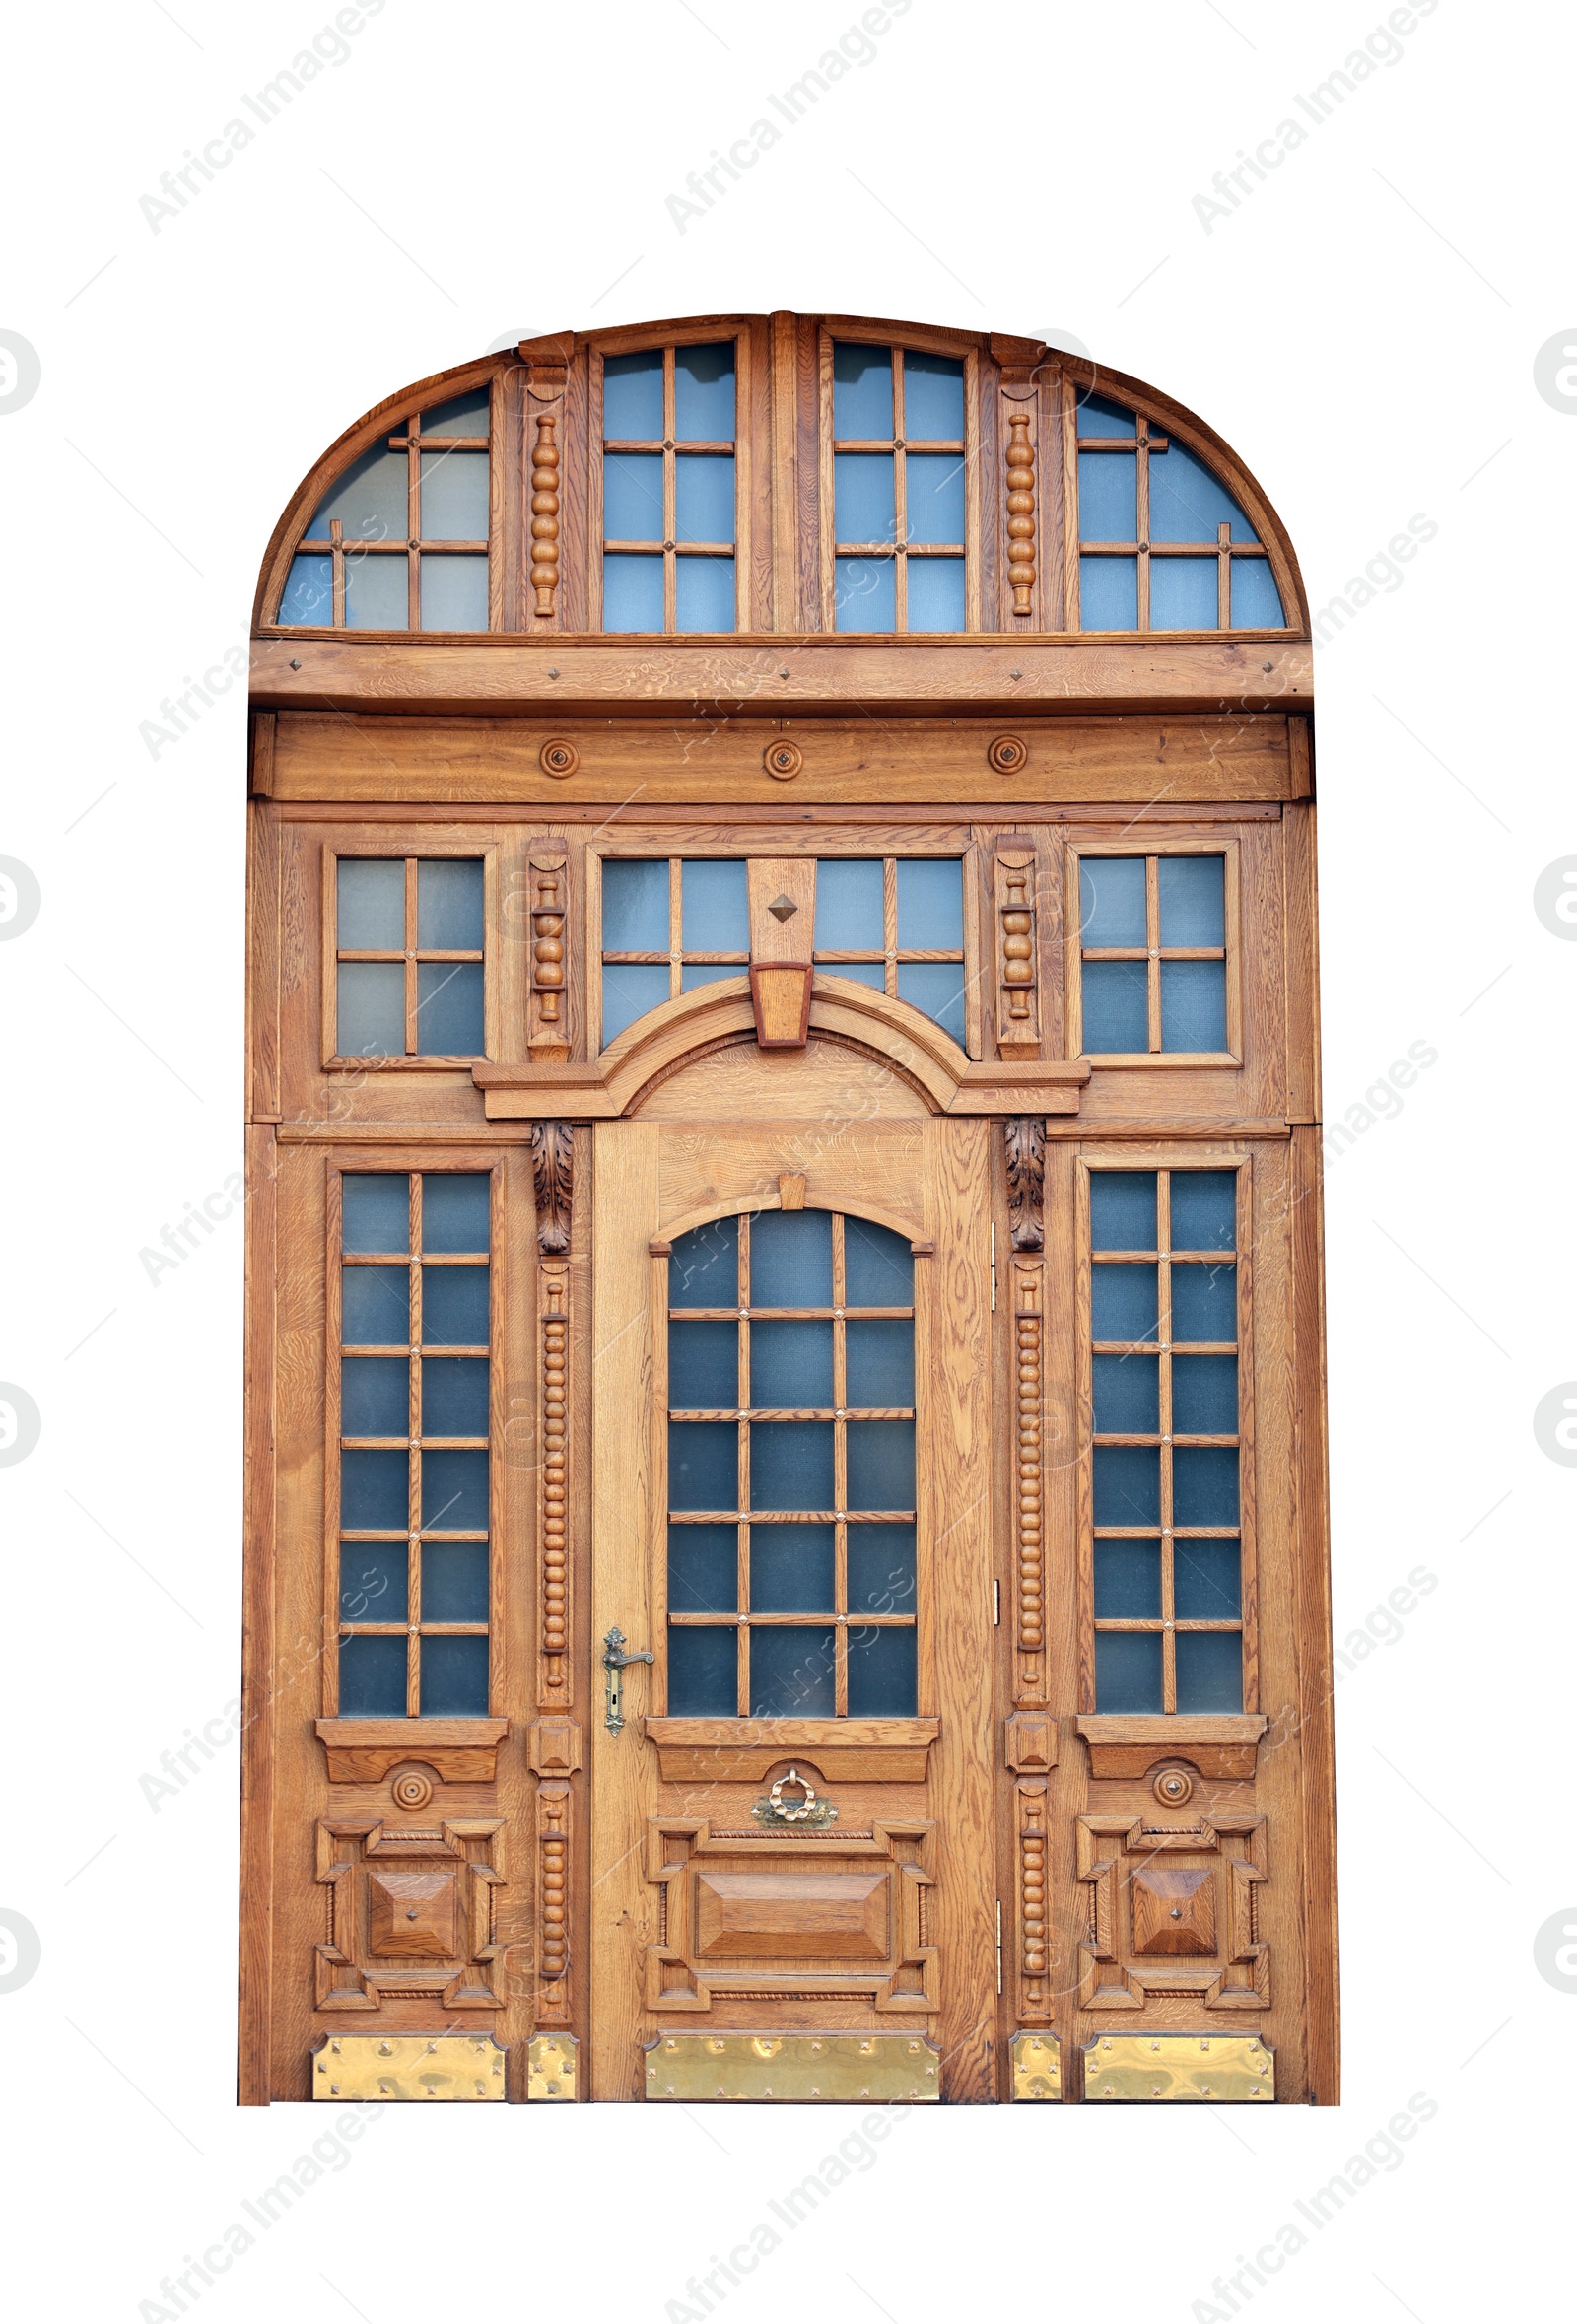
pixel 1154 956
pixel 409 956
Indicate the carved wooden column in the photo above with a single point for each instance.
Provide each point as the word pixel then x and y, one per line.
pixel 548 1034
pixel 548 361
pixel 1018 358
pixel 1019 1017
pixel 1026 1175
pixel 555 1742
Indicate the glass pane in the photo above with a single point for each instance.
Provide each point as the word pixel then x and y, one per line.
pixel 632 496
pixel 632 592
pixel 793 1569
pixel 466 415
pixel 454 1307
pixel 1204 1209
pixel 1097 417
pixel 1194 1004
pixel 863 497
pixel 1255 599
pixel 703 1569
pixel 1123 1211
pixel 454 1397
pixel 881 1566
pixel 631 398
pixel 713 972
pixel 1128 1581
pixel 374 1304
pixel 936 989
pixel 453 1678
pixel 1108 592
pixel 1127 1485
pixel 449 1009
pixel 1186 504
pixel 935 593
pixel 881 1464
pixel 448 905
pixel 791 1366
pixel 370 911
pixel 454 497
pixel 702 1675
pixel 1127 1669
pixel 1116 1007
pixel 635 906
pixel 705 483
pixel 1206 1581
pixel 373 1582
pixel 373 1492
pixel 704 1367
pixel 1204 1395
pixel 880 1365
pixel 455 1211
pixel 455 1492
pixel 866 594
pixel 371 1009
pixel 861 390
pixel 374 1397
pixel 861 972
pixel 930 906
pixel 1128 1395
pixel 848 908
pixel 308 599
pixel 703 1465
pixel 878 1265
pixel 454 1581
pixel 1205 1485
pixel 1108 496
pixel 375 1212
pixel 371 500
pixel 704 1269
pixel 1192 899
pixel 627 993
pixel 1183 593
pixel 704 593
pixel 791 1465
pixel 1204 1301
pixel 703 395
pixel 934 399
pixel 372 1678
pixel 881 1674
pixel 793 1673
pixel 715 909
pixel 1210 1671
pixel 934 485
pixel 790 1259
pixel 1110 891
pixel 454 593
pixel 377 596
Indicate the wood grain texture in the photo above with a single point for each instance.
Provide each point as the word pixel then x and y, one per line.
pixel 254 2032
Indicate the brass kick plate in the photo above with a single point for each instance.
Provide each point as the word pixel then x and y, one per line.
pixel 1222 2069
pixel 1037 2066
pixel 550 2066
pixel 389 2066
pixel 839 2069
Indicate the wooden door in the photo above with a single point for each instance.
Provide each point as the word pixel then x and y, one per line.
pixel 757 1291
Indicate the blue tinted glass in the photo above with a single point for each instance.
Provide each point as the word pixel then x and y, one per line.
pixel 703 1569
pixel 449 1009
pixel 791 1568
pixel 933 484
pixel 1108 497
pixel 848 907
pixel 455 1395
pixel 791 1366
pixel 371 500
pixel 933 398
pixel 1111 892
pixel 881 1464
pixel 632 496
pixel 373 1581
pixel 370 913
pixel 707 973
pixel 466 415
pixel 703 1268
pixel 455 1211
pixel 1128 1581
pixel 1183 593
pixel 703 1465
pixel 454 592
pixel 377 596
pixel 1204 1209
pixel 1193 894
pixel 1117 1007
pixel 375 1212
pixel 715 908
pixel 308 599
pixel 453 1678
pixel 881 1673
pixel 631 398
pixel 1123 1211
pixel 448 904
pixel 371 1678
pixel 1127 1669
pixel 374 1306
pixel 635 906
pixel 1128 1395
pixel 702 1673
pixel 1194 1004
pixel 455 1492
pixel 374 1397
pixel 705 497
pixel 1255 599
pixel 790 1259
pixel 880 1365
pixel 703 1367
pixel 1204 1301
pixel 791 1465
pixel 881 1566
pixel 1206 1581
pixel 1205 1485
pixel 931 905
pixel 936 989
pixel 704 593
pixel 935 593
pixel 370 1011
pixel 632 594
pixel 1097 417
pixel 454 1307
pixel 1210 1671
pixel 454 1581
pixel 866 594
pixel 1186 504
pixel 793 1673
pixel 703 393
pixel 627 993
pixel 862 487
pixel 1204 1395
pixel 1108 592
pixel 373 1493
pixel 861 390
pixel 878 1265
pixel 453 498
pixel 866 972
pixel 1127 1485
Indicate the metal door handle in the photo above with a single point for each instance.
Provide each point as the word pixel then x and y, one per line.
pixel 614 1660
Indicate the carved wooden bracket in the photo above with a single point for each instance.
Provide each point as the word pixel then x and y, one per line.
pixel 1026 1179
pixel 782 935
pixel 553 1167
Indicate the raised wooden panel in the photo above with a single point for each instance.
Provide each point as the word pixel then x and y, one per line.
pixel 411 1914
pixel 1172 1893
pixel 807 1911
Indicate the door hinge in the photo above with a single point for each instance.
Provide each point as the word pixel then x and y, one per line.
pixel 997 1606
pixel 994 1266
pixel 999 1944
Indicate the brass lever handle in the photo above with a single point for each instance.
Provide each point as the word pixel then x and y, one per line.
pixel 614 1660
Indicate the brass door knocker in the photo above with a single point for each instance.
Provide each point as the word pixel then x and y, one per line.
pixel 803 1809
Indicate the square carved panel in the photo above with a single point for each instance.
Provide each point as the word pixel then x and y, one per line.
pixel 413 1916
pixel 409 1913
pixel 1172 1909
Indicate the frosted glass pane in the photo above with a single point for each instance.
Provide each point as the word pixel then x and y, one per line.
pixel 936 989
pixel 848 907
pixel 627 993
pixel 1194 1004
pixel 455 1391
pixel 371 500
pixel 1108 593
pixel 454 1307
pixel 371 1678
pixel 704 593
pixel 1111 892
pixel 793 1673
pixel 631 398
pixel 881 1464
pixel 455 1492
pixel 935 593
pixel 1205 1484
pixel 933 398
pixel 1255 599
pixel 1210 1671
pixel 1204 1209
pixel 703 1465
pixel 1187 504
pixel 371 1009
pixel 632 594
pixel 374 1396
pixel 454 1583
pixel 449 1009
pixel 703 393
pixel 702 1682
pixel 861 390
pixel 934 488
pixel 448 904
pixel 1128 1581
pixel 1108 497
pixel 704 1269
pixel 377 593
pixel 373 1581
pixel 1127 1669
pixel 714 911
pixel 1127 1485
pixel 791 1465
pixel 793 1569
pixel 453 496
pixel 454 592
pixel 790 1365
pixel 790 1259
pixel 1204 1395
pixel 703 1569
pixel 881 1674
pixel 374 1491
pixel 1193 892
pixel 370 917
pixel 1207 1580
pixel 1183 593
pixel 880 1368
pixel 1123 1300
pixel 703 1367
pixel 1123 1210
pixel 375 1212
pixel 308 599
pixel 1116 1007
pixel 465 415
pixel 705 498
pixel 864 497
pixel 453 1678
pixel 374 1306
pixel 931 905
pixel 880 1565
pixel 866 594
pixel 1096 417
pixel 878 1265
pixel 632 496
pixel 635 906
pixel 1204 1301
pixel 455 1211
pixel 1128 1395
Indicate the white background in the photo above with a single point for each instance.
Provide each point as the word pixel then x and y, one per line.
pixel 1363 328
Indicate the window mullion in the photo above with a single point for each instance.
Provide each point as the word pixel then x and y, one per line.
pixel 413 1041
pixel 1152 940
